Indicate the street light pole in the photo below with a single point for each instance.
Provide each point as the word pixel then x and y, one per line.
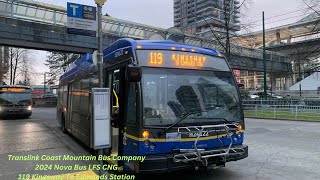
pixel 264 60
pixel 100 54
pixel 44 84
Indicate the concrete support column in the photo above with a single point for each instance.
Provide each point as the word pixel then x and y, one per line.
pixel 289 39
pixel 273 83
pixel 287 83
pixel 278 37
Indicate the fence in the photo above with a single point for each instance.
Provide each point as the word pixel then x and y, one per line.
pixel 291 109
pixel 297 93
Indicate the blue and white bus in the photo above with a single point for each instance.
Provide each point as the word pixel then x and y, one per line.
pixel 176 104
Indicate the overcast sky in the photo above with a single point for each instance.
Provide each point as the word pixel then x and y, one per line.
pixel 160 13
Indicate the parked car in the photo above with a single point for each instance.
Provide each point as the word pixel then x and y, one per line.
pixel 273 95
pixel 254 96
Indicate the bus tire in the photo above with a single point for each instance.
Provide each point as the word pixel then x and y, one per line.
pixel 63 124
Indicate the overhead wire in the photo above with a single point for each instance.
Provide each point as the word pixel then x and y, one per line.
pixel 275 16
pixel 257 25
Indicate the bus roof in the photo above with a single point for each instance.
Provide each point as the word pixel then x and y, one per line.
pixel 157 44
pixel 84 65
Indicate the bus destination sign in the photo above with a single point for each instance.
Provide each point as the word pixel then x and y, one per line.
pixel 180 59
pixel 13 89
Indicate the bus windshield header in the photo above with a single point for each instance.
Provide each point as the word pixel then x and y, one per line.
pixel 180 59
pixel 14 89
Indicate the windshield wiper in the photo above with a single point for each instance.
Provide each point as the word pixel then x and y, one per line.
pixel 24 102
pixel 179 120
pixel 224 119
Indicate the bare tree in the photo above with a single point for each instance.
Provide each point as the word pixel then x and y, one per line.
pixel 26 70
pixel 313 6
pixel 308 62
pixel 3 63
pixel 229 25
pixel 16 56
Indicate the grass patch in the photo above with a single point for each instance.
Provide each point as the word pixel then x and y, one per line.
pixel 287 115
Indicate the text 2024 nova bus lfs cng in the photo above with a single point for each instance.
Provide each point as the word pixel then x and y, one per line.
pixel 178 105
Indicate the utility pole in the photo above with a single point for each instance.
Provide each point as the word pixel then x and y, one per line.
pixel 44 84
pixel 264 60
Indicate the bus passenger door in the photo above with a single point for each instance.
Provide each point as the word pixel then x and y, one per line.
pixel 114 84
pixel 69 107
pixel 132 123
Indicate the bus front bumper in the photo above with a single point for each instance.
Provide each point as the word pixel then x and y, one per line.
pixel 164 163
pixel 15 113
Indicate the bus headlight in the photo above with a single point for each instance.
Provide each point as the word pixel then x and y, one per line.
pixel 240 127
pixel 145 134
pixel 152 146
pixel 29 108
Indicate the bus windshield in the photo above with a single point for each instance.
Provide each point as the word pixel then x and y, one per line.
pixel 21 98
pixel 207 96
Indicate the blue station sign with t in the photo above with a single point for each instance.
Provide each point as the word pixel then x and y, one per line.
pixel 82 19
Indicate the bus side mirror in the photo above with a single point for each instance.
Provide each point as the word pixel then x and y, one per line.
pixel 134 73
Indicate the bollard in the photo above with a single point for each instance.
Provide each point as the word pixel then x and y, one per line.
pixel 255 112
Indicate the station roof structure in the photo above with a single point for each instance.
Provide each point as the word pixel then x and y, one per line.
pixel 309 25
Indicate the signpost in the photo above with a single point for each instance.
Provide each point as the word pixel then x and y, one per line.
pixel 82 19
pixel 100 58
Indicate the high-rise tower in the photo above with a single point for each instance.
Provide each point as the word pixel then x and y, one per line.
pixel 196 16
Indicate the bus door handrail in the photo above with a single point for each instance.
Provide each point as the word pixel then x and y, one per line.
pixel 117 99
pixel 202 155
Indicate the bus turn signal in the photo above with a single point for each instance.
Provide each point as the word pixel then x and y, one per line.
pixel 145 134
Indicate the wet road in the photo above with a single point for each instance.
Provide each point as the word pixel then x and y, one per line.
pixel 277 149
pixel 38 135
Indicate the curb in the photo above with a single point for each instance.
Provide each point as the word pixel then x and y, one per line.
pixel 318 121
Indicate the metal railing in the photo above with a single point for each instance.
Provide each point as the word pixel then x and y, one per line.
pixel 57 16
pixel 291 109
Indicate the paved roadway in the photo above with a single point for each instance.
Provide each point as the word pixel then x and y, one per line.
pixel 277 149
pixel 39 135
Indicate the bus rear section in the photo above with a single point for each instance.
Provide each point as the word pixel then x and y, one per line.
pixel 15 101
